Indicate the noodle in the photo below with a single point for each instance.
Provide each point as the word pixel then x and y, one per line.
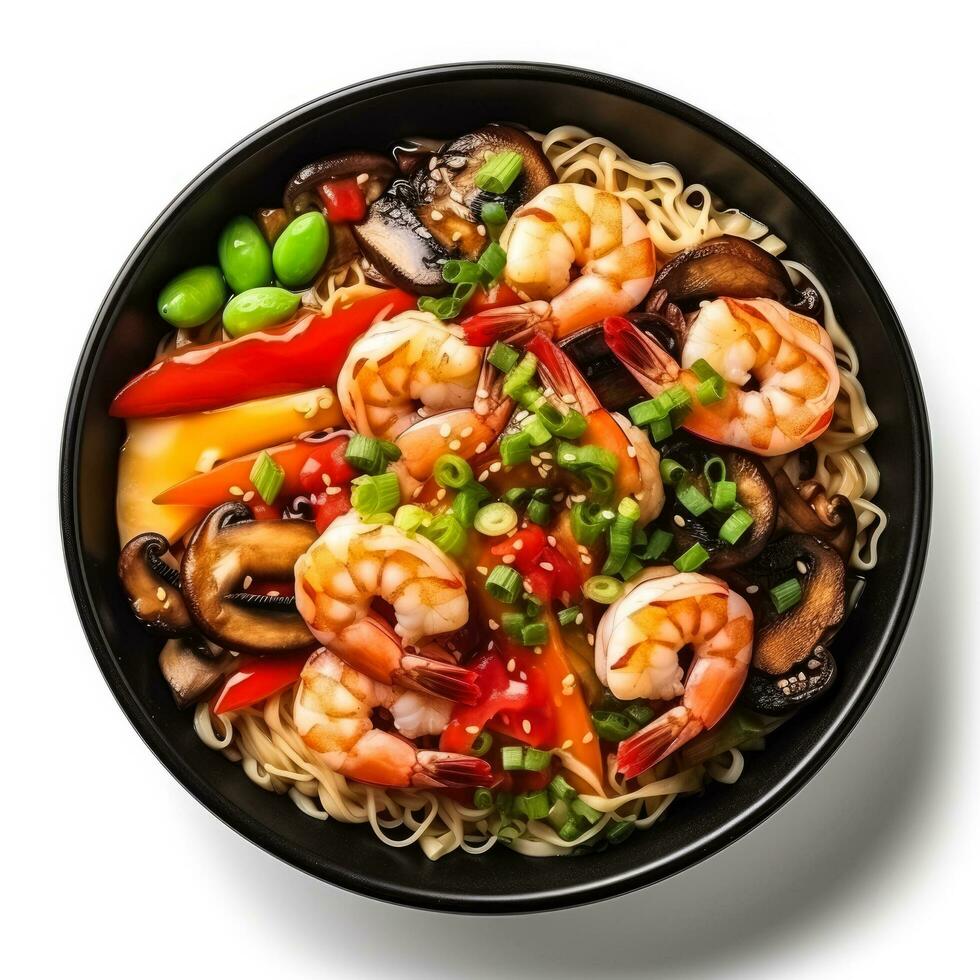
pixel 265 740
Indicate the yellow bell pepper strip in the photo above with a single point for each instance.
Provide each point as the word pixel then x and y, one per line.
pixel 160 452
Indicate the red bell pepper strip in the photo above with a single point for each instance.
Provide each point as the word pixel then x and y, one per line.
pixel 307 353
pixel 532 551
pixel 343 199
pixel 505 703
pixel 305 463
pixel 496 296
pixel 257 679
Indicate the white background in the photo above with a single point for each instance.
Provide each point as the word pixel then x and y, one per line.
pixel 108 863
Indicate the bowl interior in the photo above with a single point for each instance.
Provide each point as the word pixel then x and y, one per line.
pixel 446 102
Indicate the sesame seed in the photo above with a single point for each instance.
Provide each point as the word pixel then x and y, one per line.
pixel 591 638
pixel 548 392
pixel 567 744
pixel 521 416
pixel 436 215
pixel 455 444
pixel 537 650
pixel 547 455
pixel 631 452
pixel 481 230
pixel 326 479
pixel 161 593
pixel 482 393
pixel 587 737
pixel 522 676
pixel 481 447
pixel 273 594
pixel 482 478
pixel 433 163
pixel 546 566
pixel 586 560
pixel 752 589
pixel 552 540
pixel 457 235
pixel 508 559
pixel 495 467
pixel 801 568
pixel 679 521
pixel 582 550
pixel 527 587
pixel 535 461
pixel 236 491
pixel 362 179
pixel 568 680
pixel 518 545
pixel 249 495
pixel 441 493
pixel 482 569
pixel 332 490
pixel 511 664
pixel 472 729
pixel 568 399
pixel 543 471
pixel 578 498
pixel 493 624
pixel 456 196
pixel 416 492
pixel 466 432
pixel 248 581
pixel 445 429
pixel 579 619
pixel 526 725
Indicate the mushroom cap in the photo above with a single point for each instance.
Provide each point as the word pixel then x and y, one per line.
pixel 153 586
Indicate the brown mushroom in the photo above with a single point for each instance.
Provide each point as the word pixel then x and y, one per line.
pixel 301 192
pixel 736 267
pixel 153 586
pixel 272 223
pixel 227 547
pixel 790 661
pixel 754 490
pixel 808 510
pixel 435 213
pixel 615 387
pixel 191 669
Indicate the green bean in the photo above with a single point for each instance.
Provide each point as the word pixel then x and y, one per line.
pixel 192 297
pixel 301 249
pixel 245 257
pixel 258 308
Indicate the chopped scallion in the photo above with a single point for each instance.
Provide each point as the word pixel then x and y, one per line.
pixel 267 477
pixel 672 471
pixel 376 494
pixel 560 789
pixel 603 589
pixel 491 263
pixel 534 634
pixel 452 472
pixel 643 413
pixel 410 517
pixel 539 512
pixel 446 533
pixel 612 726
pixel 495 519
pixel 515 448
pixel 568 615
pixel 467 503
pixel 481 745
pixel 534 806
pixel 502 356
pixel 512 757
pixel 582 809
pixel 786 595
pixel 483 799
pixel 460 270
pixel 692 559
pixel 504 584
pixel 658 544
pixel 366 454
pixel 499 172
pixel 536 760
pixel 735 526
pixel 691 498
pixel 723 495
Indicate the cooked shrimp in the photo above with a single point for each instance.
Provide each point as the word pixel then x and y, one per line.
pixel 465 432
pixel 372 647
pixel 404 369
pixel 788 356
pixel 638 473
pixel 636 653
pixel 332 712
pixel 351 564
pixel 576 254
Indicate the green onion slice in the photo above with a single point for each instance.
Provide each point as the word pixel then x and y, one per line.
pixel 536 760
pixel 495 519
pixel 410 517
pixel 534 634
pixel 483 798
pixel 692 559
pixel 588 521
pixel 786 595
pixel 491 263
pixel 452 472
pixel 539 512
pixel 267 477
pixel 461 271
pixel 446 533
pixel 467 503
pixel 672 471
pixel 603 589
pixel 735 526
pixel 481 746
pixel 691 498
pixel 499 172
pixel 502 356
pixel 534 806
pixel 568 615
pixel 504 584
pixel 560 789
pixel 724 495
pixel 612 726
pixel 515 448
pixel 658 544
pixel 366 454
pixel 376 494
pixel 512 757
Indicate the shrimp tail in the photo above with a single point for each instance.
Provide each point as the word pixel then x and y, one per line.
pixel 505 322
pixel 640 354
pixel 560 372
pixel 449 770
pixel 655 742
pixel 444 680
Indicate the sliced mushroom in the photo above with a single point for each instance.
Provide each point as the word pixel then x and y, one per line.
pixel 732 266
pixel 272 223
pixel 754 490
pixel 615 387
pixel 790 661
pixel 228 546
pixel 153 586
pixel 301 191
pixel 808 510
pixel 435 214
pixel 191 669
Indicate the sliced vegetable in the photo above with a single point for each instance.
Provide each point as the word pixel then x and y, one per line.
pixel 257 679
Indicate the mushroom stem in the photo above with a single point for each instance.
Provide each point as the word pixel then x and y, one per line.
pixel 808 510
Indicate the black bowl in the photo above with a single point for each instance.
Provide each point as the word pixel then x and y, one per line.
pixel 446 101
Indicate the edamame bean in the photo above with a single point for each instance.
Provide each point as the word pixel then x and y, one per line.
pixel 192 297
pixel 255 309
pixel 245 257
pixel 301 249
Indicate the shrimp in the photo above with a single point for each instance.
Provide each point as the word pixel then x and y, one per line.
pixel 569 229
pixel 372 647
pixel 466 432
pixel 406 368
pixel 332 712
pixel 788 356
pixel 636 654
pixel 352 563
pixel 638 473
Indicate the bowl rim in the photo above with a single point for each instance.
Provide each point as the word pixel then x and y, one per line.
pixel 648 872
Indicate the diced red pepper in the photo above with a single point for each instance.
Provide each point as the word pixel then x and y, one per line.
pixel 305 354
pixel 329 506
pixel 506 702
pixel 343 199
pixel 533 550
pixel 305 462
pixel 257 679
pixel 490 299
